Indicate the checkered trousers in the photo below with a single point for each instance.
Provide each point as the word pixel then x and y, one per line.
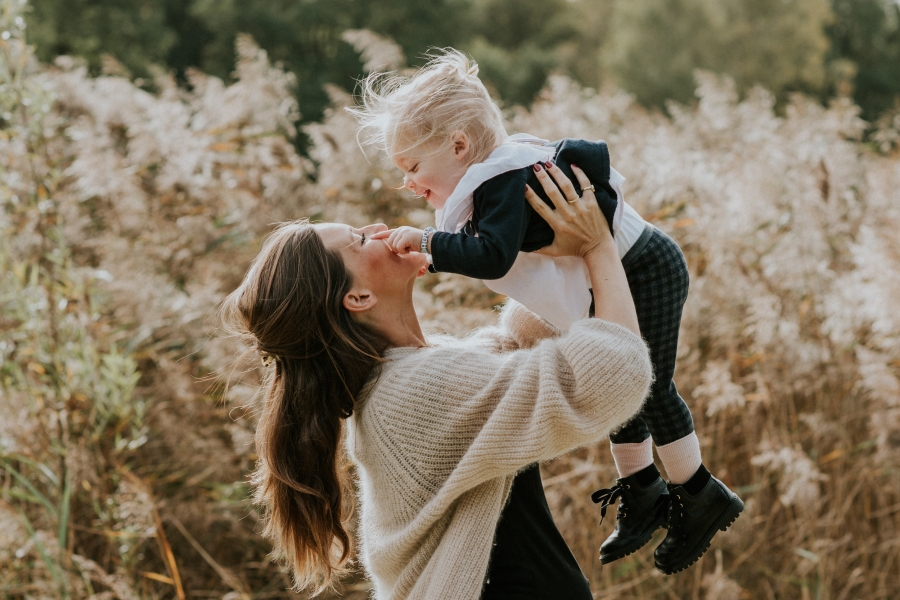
pixel 658 278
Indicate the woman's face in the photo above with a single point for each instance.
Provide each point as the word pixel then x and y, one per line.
pixel 371 262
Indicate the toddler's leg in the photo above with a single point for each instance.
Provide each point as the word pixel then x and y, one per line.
pixel 631 458
pixel 658 278
pixel 700 503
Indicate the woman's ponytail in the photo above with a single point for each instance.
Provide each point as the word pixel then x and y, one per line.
pixel 290 307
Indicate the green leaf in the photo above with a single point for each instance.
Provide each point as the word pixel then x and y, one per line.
pixel 30 487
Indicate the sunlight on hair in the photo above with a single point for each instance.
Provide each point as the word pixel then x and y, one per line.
pixel 418 113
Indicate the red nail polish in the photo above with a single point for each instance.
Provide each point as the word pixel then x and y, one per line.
pixel 549 165
pixel 574 165
pixel 537 167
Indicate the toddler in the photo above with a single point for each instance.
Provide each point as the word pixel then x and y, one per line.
pixel 441 128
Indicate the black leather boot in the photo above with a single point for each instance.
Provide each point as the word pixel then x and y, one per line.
pixel 642 510
pixel 693 521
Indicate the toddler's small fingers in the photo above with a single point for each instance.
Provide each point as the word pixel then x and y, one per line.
pixel 382 234
pixel 411 241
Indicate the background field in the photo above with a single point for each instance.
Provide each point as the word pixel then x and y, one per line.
pixel 132 202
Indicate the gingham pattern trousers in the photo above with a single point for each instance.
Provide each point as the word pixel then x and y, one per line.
pixel 658 278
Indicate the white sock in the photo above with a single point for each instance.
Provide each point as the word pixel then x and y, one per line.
pixel 681 458
pixel 631 458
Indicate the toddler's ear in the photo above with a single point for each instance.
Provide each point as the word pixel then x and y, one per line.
pixel 461 144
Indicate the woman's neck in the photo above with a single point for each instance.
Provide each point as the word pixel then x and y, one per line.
pixel 407 333
pixel 398 323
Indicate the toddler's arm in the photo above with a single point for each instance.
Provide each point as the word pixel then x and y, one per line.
pixel 502 221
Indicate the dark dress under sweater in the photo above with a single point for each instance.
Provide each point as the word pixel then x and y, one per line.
pixel 530 559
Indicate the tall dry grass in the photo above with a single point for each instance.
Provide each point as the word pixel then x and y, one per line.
pixel 127 216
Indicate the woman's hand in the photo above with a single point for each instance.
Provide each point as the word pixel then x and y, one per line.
pixel 581 230
pixel 578 224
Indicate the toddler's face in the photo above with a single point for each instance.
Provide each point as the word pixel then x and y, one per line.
pixel 430 174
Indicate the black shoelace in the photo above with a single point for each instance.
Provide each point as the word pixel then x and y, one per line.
pixel 676 513
pixel 606 497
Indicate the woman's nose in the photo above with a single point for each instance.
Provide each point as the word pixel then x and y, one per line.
pixel 409 184
pixel 375 228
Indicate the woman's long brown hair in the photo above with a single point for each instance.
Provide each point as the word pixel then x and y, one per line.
pixel 289 307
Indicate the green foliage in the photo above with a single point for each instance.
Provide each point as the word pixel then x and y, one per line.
pixel 866 34
pixel 516 43
pixel 649 47
pixel 136 33
pixel 656 45
pixel 306 36
pixel 517 75
pixel 56 376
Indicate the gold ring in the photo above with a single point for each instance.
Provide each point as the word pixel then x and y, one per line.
pixel 590 187
pixel 572 201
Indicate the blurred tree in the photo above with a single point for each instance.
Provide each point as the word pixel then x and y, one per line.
pixel 865 53
pixel 518 42
pixel 655 45
pixel 192 36
pixel 305 36
pixel 580 55
pixel 649 47
pixel 135 32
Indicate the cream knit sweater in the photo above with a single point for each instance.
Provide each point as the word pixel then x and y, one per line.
pixel 441 432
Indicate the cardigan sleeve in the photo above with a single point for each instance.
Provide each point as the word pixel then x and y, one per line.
pixel 518 328
pixel 458 416
pixel 524 326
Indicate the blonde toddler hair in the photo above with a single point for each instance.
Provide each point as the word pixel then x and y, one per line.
pixel 419 113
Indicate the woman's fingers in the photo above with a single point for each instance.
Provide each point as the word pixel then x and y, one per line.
pixel 564 183
pixel 550 187
pixel 539 206
pixel 578 226
pixel 584 182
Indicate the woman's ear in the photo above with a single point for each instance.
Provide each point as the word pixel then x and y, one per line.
pixel 359 300
pixel 461 144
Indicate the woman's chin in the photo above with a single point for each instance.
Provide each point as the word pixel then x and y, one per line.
pixel 413 260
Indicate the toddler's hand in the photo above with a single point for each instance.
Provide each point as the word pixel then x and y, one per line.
pixel 402 240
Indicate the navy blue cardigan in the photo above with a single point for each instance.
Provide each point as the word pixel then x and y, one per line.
pixel 506 223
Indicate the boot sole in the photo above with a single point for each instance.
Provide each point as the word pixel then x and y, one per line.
pixel 722 523
pixel 641 542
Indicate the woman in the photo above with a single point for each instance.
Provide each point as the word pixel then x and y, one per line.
pixel 438 431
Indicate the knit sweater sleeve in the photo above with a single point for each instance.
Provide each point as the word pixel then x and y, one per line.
pixel 524 326
pixel 518 328
pixel 459 415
